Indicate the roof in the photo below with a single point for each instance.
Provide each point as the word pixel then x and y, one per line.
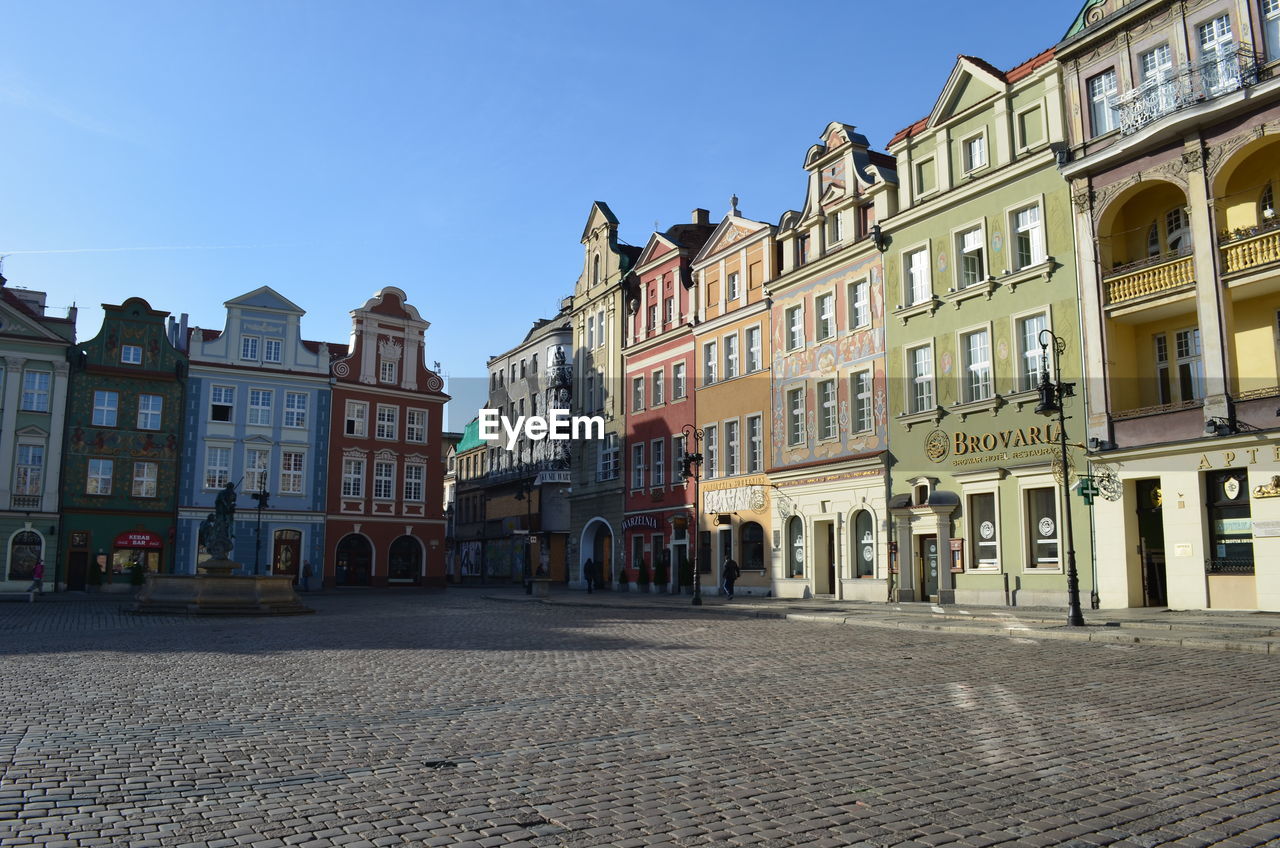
pixel 470 437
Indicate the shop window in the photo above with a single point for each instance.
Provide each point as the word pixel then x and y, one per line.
pixel 795 546
pixel 752 535
pixel 1042 527
pixel 1230 522
pixel 984 543
pixel 25 548
pixel 865 543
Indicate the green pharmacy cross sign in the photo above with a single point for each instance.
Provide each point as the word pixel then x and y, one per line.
pixel 1088 489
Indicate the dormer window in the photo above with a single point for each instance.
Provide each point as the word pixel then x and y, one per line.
pixel 271 350
pixel 249 347
pixel 131 354
pixel 835 230
pixel 802 250
pixel 975 153
pixel 387 371
pixel 920 497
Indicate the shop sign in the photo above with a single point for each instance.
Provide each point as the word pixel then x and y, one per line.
pixel 998 446
pixel 138 539
pixel 551 477
pixel 1244 456
pixel 633 521
pixel 739 499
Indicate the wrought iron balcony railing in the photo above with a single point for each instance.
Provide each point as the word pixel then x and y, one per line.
pixel 1178 88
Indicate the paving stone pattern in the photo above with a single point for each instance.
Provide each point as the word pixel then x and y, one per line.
pixel 452 719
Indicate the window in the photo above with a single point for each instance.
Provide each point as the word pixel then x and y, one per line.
pixel 149 407
pixel 513 373
pixel 1153 239
pixel 677 458
pixel 1231 529
pixel 1029 350
pixel 1103 114
pixel 637 394
pixel 28 475
pixel 755 445
pixel 1157 78
pixel 860 304
pixel 1216 43
pixel 357 418
pixel 384 481
pixel 795 417
pixel 105 405
pixel 414 477
pixel 98 481
pixel 35 391
pixel 731 356
pixel 835 229
pixel 600 326
pixel 709 355
pixel 1271 27
pixel 793 321
pixel 1042 527
pixel 710 452
pixel 260 407
pixel 415 425
pixel 1030 127
pixel 658 389
pixel 860 389
pixel 523 372
pixel 731 286
pixel 795 546
pixel 1028 237
pixel 256 464
pixel 291 472
pixel 975 152
pixel 387 371
pixel 826 409
pixel 271 350
pixel 921 375
pixel 918 284
pixel 926 177
pixel 677 380
pixel 752 554
pixel 658 466
pixel 595 269
pixel 984 544
pixel 1267 200
pixel 249 347
pixel 1190 366
pixel 591 331
pixel 732 453
pixel 1164 388
pixel 976 349
pixel 131 354
pixel 609 460
pixel 864 542
pixel 971 269
pixel 652 323
pixel 825 318
pixel 1177 230
pixel 217 466
pixel 754 360
pixel 637 466
pixel 802 250
pixel 668 311
pixel 353 478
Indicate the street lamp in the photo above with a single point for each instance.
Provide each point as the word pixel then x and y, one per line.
pixel 261 498
pixel 1052 394
pixel 688 469
pixel 526 494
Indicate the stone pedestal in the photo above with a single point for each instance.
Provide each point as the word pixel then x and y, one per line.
pixel 219 592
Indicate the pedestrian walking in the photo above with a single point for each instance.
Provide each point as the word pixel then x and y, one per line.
pixel 306 575
pixel 589 574
pixel 37 578
pixel 730 572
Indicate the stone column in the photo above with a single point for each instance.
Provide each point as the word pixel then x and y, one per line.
pixel 1212 305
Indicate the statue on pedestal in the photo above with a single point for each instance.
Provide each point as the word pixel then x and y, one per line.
pixel 215 532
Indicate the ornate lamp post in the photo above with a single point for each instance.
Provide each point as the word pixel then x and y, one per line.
pixel 691 466
pixel 1052 393
pixel 261 498
pixel 526 494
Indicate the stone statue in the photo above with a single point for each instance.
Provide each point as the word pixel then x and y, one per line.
pixel 215 533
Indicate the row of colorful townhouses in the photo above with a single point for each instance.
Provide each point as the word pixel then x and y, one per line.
pixel 115 448
pixel 865 381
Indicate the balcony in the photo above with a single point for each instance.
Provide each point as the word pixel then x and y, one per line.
pixel 25 502
pixel 1182 87
pixel 1252 247
pixel 1157 275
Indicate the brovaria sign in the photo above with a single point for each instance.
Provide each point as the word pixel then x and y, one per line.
pixel 1000 446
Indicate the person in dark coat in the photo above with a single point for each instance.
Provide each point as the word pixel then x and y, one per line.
pixel 589 574
pixel 731 573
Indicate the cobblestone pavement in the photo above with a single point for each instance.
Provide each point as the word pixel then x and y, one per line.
pixel 452 719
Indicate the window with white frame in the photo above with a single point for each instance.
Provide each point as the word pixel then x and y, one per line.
pixel 600 326
pixel 609 459
pixel 1164 388
pixel 28 471
pixel 144 479
pixel 732 449
pixel 860 390
pixel 415 475
pixel 658 462
pixel 384 480
pixel 222 401
pixel 105 406
pixel 859 304
pixel 357 418
pixel 1271 28
pixel 217 466
pixel 917 283
pixel 825 316
pixel 975 347
pixel 291 472
pixel 826 410
pixel 652 323
pixel 835 228
pixel 971 247
pixel 637 394
pixel 1104 116
pixel 98 478
pixel 1189 363
pixel 415 425
pixel 709 364
pixel 731 286
pixel 637 466
pixel 1028 237
pixel 657 388
pixel 35 391
pixel 984 539
pixel 1177 230
pixel 920 375
pixel 793 322
pixel 975 152
pixel 1028 331
pixel 1042 527
pixel 754 354
pixel 795 416
pixel 677 380
pixel 131 354
pixel 591 331
pixel 149 411
pixel 260 401
pixel 677 458
pixel 249 347
pixel 755 444
pixel 271 350
pixel 710 452
pixel 352 478
pixel 256 464
pixel 668 311
pixel 731 356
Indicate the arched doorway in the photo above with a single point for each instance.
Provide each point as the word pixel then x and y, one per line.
pixel 597 545
pixel 404 561
pixel 353 565
pixel 25 548
pixel 864 545
pixel 286 550
pixel 795 546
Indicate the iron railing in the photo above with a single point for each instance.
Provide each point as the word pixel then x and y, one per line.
pixel 1186 85
pixel 1228 566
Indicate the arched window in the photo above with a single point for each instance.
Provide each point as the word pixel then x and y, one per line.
pixel 864 541
pixel 1153 240
pixel 404 562
pixel 795 546
pixel 752 536
pixel 595 269
pixel 1266 205
pixel 25 548
pixel 1177 230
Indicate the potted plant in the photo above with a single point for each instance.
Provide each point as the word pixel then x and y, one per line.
pixel 643 579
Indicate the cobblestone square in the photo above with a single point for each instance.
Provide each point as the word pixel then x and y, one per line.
pixel 459 719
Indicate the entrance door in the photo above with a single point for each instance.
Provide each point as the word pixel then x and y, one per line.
pixel 606 558
pixel 77 570
pixel 353 564
pixel 831 557
pixel 929 566
pixel 286 552
pixel 1151 543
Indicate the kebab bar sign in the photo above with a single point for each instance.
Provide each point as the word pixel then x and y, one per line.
pixel 1000 446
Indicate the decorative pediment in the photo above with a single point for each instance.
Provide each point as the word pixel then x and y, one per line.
pixel 658 247
pixel 389 348
pixel 731 230
pixel 971 82
pixel 258 440
pixel 354 453
pixel 32 432
pixel 385 455
pixel 265 297
pixel 15 322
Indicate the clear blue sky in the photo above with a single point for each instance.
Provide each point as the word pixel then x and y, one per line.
pixel 453 149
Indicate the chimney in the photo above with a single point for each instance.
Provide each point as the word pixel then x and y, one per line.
pixel 701 216
pixel 184 337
